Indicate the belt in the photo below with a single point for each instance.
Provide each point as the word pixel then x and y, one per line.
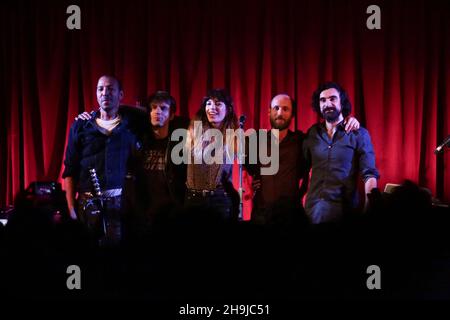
pixel 110 193
pixel 205 193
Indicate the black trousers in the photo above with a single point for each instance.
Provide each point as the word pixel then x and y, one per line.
pixel 218 201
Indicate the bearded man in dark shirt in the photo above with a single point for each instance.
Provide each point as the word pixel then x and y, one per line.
pixel 336 157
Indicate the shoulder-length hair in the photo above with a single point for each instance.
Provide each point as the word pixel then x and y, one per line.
pixel 230 120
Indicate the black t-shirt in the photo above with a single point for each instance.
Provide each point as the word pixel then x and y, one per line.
pixel 152 176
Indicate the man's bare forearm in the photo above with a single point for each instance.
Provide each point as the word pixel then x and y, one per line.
pixel 70 195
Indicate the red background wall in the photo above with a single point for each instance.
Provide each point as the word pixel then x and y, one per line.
pixel 398 77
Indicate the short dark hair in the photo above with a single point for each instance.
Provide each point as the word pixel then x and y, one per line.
pixel 161 96
pixel 345 102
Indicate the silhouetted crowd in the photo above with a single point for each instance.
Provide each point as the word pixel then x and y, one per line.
pixel 195 254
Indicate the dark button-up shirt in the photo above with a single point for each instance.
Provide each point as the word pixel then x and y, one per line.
pixel 90 146
pixel 284 186
pixel 335 164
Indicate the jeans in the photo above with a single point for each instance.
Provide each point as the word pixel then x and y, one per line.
pixel 104 221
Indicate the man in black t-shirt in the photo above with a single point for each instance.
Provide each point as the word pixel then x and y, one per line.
pixel 157 185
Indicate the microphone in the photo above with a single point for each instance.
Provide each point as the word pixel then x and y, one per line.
pixel 442 145
pixel 242 119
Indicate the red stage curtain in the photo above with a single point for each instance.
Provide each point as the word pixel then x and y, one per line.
pixel 398 77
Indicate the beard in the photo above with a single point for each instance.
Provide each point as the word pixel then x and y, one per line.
pixel 331 116
pixel 280 126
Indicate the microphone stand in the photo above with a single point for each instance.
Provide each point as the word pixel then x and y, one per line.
pixel 443 146
pixel 240 162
